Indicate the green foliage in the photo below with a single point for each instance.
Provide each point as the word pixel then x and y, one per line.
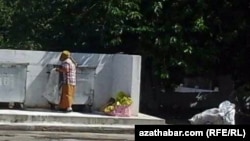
pixel 183 37
pixel 243 97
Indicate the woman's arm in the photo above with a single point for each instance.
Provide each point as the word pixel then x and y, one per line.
pixel 64 68
pixel 61 69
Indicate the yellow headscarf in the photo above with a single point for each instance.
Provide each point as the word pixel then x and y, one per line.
pixel 65 55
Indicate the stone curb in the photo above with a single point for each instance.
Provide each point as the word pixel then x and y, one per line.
pixel 117 129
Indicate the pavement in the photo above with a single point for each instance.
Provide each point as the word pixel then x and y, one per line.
pixel 46 120
pixel 15 135
pixel 60 127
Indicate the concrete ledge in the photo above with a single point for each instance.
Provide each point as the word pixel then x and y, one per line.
pixel 22 116
pixel 59 127
pixel 28 120
pixel 14 135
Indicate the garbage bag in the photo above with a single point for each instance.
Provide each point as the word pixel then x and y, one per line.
pixel 224 114
pixel 210 116
pixel 227 111
pixel 52 91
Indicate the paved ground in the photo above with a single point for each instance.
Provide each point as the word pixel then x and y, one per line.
pixel 180 117
pixel 61 136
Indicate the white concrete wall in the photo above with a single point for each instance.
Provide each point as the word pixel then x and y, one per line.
pixel 114 73
pixel 126 77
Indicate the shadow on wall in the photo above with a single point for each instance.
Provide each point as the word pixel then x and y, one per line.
pixel 103 81
pixel 49 58
pixel 37 78
pixel 36 87
pixel 86 59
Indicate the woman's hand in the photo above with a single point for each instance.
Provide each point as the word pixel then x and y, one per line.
pixel 57 69
pixel 61 70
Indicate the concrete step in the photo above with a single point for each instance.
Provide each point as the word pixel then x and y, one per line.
pixel 46 116
pixel 8 135
pixel 67 127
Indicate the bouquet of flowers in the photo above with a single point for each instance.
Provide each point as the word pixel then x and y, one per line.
pixel 121 106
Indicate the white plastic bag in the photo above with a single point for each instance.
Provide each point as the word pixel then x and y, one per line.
pixel 225 114
pixel 210 116
pixel 227 111
pixel 52 92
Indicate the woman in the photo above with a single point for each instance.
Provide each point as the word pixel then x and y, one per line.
pixel 68 70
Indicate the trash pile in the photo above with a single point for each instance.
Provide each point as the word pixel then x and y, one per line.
pixel 119 106
pixel 223 115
